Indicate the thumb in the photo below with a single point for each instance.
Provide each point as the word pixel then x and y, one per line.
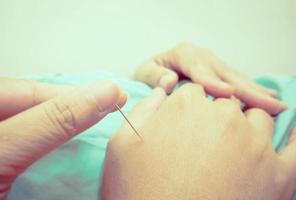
pixel 155 75
pixel 31 134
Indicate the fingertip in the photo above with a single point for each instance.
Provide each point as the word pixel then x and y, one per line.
pixel 275 107
pixel 284 106
pixel 281 107
pixel 254 98
pixel 168 82
pixel 106 93
pixel 153 101
pixel 122 99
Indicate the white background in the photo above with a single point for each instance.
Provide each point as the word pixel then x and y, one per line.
pixel 50 36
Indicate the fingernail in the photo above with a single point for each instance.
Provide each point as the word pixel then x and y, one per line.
pixel 122 99
pixel 124 95
pixel 168 81
pixel 106 94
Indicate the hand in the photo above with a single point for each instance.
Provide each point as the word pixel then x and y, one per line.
pixel 195 148
pixel 29 128
pixel 203 67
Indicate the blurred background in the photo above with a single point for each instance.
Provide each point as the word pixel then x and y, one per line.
pixel 62 36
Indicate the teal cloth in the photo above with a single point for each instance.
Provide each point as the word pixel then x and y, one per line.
pixel 73 171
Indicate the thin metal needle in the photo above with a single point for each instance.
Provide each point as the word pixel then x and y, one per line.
pixel 118 108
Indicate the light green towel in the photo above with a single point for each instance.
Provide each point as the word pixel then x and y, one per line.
pixel 73 171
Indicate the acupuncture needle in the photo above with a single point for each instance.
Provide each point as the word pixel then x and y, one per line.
pixel 126 119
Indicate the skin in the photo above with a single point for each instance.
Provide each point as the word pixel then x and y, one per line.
pixel 205 150
pixel 36 118
pixel 202 66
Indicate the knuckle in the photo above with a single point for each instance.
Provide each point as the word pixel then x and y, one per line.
pixel 258 111
pixel 90 100
pixel 261 113
pixel 189 91
pixel 233 108
pixel 230 113
pixel 187 95
pixel 229 106
pixel 190 88
pixel 61 117
pixel 241 91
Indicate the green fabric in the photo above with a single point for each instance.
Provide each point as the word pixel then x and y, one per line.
pixel 73 171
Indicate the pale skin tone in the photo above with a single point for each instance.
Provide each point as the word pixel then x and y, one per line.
pixel 36 118
pixel 208 150
pixel 202 66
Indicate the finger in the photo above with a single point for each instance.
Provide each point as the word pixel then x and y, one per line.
pixel 157 76
pixel 190 91
pixel 31 134
pixel 210 81
pixel 254 98
pixel 231 100
pixel 245 79
pixel 263 89
pixel 260 121
pixel 145 108
pixel 19 95
pixel 120 103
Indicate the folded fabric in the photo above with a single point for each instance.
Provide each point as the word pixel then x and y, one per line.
pixel 73 171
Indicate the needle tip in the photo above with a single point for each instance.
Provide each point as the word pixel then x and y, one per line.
pixel 136 132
